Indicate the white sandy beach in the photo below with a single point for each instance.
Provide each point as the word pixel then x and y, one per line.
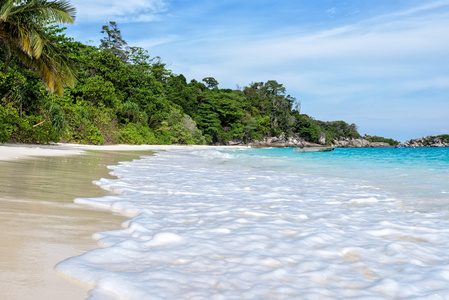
pixel 41 224
pixel 290 226
pixel 16 151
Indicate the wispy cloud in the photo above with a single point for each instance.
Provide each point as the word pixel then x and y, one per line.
pixel 428 6
pixel 374 50
pixel 332 11
pixel 93 11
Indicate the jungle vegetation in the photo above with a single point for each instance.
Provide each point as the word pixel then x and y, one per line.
pixel 123 95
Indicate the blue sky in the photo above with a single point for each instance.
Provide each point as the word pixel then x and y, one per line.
pixel 381 64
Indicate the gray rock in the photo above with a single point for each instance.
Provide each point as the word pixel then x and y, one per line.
pixel 322 139
pixel 355 143
pixel 234 143
pixel 365 143
pixel 426 141
pixel 379 145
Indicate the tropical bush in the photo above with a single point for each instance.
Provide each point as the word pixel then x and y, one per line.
pixel 391 142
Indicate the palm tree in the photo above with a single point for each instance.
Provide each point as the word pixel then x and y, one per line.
pixel 22 34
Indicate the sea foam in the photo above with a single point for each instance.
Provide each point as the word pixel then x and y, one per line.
pixel 204 226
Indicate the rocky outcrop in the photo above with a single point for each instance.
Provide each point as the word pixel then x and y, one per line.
pixel 296 141
pixel 427 141
pixel 233 143
pixel 282 141
pixel 322 138
pixel 357 143
pixel 379 145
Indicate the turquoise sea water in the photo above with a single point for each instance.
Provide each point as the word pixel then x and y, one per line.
pixel 274 223
pixel 412 173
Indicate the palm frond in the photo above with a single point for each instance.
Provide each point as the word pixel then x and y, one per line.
pixel 5 8
pixel 37 43
pixel 23 38
pixel 22 34
pixel 50 11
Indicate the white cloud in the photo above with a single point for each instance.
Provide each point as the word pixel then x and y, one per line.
pixel 430 5
pixel 399 56
pixel 332 11
pixel 386 41
pixel 89 11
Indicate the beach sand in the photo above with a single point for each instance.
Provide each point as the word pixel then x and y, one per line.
pixel 41 225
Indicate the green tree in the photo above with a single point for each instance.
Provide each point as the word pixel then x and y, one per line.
pixel 307 127
pixel 269 99
pixel 114 42
pixel 23 35
pixel 210 82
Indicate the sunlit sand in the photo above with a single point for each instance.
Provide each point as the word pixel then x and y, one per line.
pixel 41 224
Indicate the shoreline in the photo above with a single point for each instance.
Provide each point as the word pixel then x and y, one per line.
pixel 44 226
pixel 20 151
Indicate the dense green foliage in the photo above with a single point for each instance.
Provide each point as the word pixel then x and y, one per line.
pixel 23 35
pixel 391 142
pixel 310 129
pixel 125 96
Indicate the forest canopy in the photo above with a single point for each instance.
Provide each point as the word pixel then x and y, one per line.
pixel 124 95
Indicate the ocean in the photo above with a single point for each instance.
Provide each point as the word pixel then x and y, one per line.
pixel 369 223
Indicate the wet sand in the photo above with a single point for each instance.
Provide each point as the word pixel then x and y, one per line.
pixel 41 225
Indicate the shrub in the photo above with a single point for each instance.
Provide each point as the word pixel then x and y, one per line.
pixel 8 122
pixel 375 138
pixel 136 134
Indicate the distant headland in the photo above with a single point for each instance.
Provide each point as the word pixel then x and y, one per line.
pixel 367 141
pixel 429 141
